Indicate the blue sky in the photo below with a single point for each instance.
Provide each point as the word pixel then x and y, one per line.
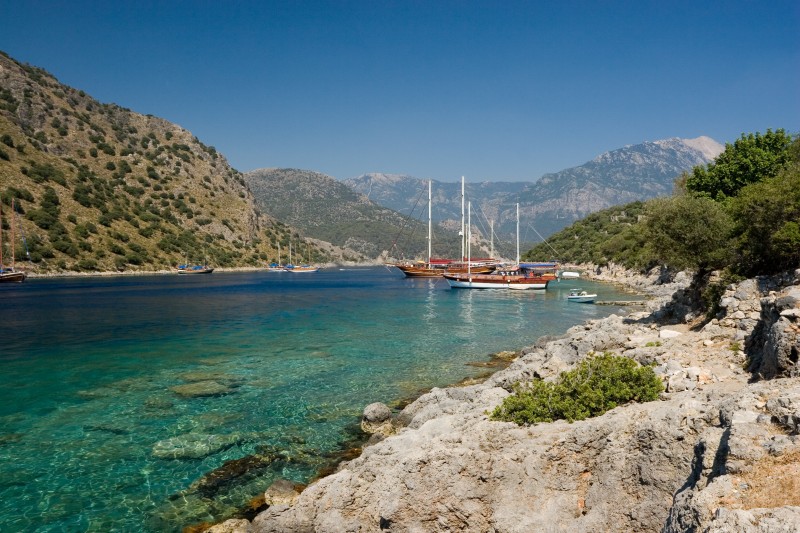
pixel 492 90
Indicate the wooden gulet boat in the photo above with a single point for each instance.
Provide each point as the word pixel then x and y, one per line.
pixel 10 274
pixel 436 268
pixel 195 269
pixel 515 277
pixel 300 269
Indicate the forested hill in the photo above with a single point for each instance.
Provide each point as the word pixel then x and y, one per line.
pixel 98 187
pixel 329 210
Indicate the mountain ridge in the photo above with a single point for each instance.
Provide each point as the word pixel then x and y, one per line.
pixel 631 173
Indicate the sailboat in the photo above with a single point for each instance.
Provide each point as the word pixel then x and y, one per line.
pixel 298 269
pixel 513 277
pixel 277 267
pixel 434 268
pixel 195 269
pixel 9 274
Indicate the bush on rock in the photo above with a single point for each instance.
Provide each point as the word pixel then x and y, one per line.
pixel 597 385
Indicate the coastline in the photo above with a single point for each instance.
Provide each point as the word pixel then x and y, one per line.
pixel 352 449
pixel 73 274
pixel 442 465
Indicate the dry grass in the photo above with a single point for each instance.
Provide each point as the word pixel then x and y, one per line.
pixel 772 482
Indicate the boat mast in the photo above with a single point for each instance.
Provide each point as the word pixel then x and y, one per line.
pixel 1 237
pixel 430 227
pixel 13 255
pixel 491 238
pixel 463 235
pixel 469 238
pixel 518 234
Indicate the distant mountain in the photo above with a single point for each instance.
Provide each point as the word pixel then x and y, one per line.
pixel 99 187
pixel 637 172
pixel 329 210
pixel 406 193
pixel 632 173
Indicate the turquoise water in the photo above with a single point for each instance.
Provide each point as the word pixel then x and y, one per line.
pixel 263 373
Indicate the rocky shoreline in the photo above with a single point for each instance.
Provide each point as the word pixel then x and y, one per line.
pixel 719 451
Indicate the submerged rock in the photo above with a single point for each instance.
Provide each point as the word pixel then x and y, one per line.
pixel 231 472
pixel 200 389
pixel 194 445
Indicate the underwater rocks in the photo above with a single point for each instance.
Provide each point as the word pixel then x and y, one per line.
pixel 199 389
pixel 235 471
pixel 194 445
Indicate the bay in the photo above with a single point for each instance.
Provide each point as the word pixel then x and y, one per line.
pixel 121 394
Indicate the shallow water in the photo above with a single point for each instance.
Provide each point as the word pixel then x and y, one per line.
pixel 272 369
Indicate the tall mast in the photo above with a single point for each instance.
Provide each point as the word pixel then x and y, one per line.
pixel 430 226
pixel 517 234
pixel 463 235
pixel 1 236
pixel 491 238
pixel 13 255
pixel 469 238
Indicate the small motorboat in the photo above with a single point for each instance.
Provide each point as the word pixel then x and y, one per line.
pixel 580 296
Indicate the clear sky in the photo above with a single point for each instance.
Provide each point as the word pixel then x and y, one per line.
pixel 493 90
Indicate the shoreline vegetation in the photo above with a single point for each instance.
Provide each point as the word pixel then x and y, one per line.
pixel 720 434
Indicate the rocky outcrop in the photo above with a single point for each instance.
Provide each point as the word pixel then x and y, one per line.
pixel 775 343
pixel 718 452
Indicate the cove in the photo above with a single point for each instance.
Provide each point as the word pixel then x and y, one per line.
pixel 123 396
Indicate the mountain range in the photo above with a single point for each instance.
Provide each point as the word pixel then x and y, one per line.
pixel 97 187
pixel 631 173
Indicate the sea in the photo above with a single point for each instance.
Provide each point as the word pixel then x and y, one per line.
pixel 160 402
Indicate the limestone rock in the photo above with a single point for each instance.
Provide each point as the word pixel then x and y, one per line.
pixel 281 492
pixel 234 525
pixel 377 418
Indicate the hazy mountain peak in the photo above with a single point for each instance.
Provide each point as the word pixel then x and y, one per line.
pixel 705 145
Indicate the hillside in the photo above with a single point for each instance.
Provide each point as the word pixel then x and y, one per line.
pixel 632 173
pixel 101 188
pixel 614 234
pixel 327 209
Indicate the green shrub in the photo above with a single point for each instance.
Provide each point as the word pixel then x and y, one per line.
pixel 597 385
pixel 87 264
pixel 41 173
